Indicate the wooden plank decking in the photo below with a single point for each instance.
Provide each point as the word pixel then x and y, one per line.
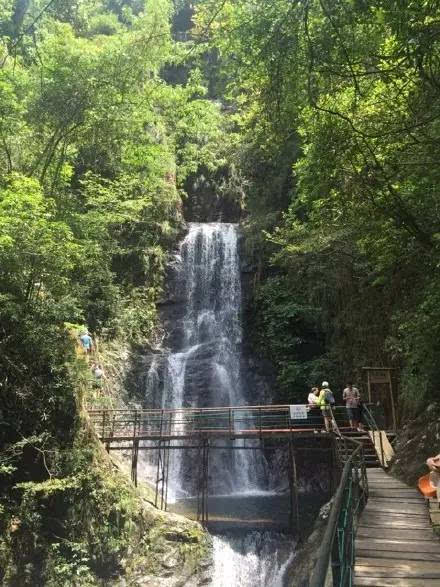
pixel 395 543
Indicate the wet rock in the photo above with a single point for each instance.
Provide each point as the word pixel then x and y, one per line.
pixel 299 572
pixel 180 536
pixel 171 562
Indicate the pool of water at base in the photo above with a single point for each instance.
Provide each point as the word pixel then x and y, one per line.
pixel 253 543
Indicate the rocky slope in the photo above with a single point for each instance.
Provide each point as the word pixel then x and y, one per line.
pixel 416 441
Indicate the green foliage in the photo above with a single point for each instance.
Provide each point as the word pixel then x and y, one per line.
pixel 37 250
pixel 338 105
pixel 286 332
pixel 95 148
pixel 75 528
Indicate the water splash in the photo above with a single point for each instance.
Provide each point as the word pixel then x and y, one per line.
pixel 256 559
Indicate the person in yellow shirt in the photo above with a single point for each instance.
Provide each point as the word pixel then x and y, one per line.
pixel 325 401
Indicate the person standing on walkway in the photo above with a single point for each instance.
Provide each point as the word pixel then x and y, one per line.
pixel 434 475
pixel 434 463
pixel 352 399
pixel 325 401
pixel 313 397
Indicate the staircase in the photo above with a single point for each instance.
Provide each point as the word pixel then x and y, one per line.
pixel 371 458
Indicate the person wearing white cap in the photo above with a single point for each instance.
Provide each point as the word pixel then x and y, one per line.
pixel 325 401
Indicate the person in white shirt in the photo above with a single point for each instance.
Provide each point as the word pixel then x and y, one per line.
pixel 99 374
pixel 313 397
pixel 352 399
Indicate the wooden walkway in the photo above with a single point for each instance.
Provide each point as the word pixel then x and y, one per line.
pixel 395 544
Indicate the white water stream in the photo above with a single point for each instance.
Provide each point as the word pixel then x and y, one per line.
pixel 256 559
pixel 203 371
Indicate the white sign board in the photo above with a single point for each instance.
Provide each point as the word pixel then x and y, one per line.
pixel 298 412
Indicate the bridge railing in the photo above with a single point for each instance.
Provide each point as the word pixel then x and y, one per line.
pixel 185 421
pixel 336 556
pixel 227 420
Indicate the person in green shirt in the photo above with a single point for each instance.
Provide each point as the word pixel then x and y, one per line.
pixel 325 401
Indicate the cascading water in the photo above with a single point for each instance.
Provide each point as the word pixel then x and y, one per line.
pixel 204 370
pixel 256 559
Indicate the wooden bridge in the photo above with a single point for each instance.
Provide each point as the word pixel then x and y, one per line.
pixel 208 429
pixel 378 534
pixel 294 428
pixel 395 543
pixel 392 544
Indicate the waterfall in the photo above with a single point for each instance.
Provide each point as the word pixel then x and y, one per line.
pixel 203 369
pixel 257 559
pixel 211 324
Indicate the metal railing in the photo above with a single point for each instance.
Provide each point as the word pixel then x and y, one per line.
pixel 336 556
pixel 232 421
pixel 377 433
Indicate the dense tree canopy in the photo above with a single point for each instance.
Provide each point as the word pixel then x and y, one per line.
pixel 338 104
pixel 95 148
pixel 318 122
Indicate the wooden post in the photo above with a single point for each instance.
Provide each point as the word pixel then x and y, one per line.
pixel 159 460
pixel 207 482
pixel 382 376
pixel 199 480
pixel 156 497
pixel 203 481
pixel 134 461
pixel 167 462
pixel 167 470
pixel 369 387
pixel 293 484
pixel 135 424
pixel 107 444
pixel 393 409
pixel 163 461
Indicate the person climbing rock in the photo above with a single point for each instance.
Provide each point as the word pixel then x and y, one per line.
pixel 99 375
pixel 86 342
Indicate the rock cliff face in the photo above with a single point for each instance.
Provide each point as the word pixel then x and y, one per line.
pixel 257 375
pixel 416 441
pixel 149 373
pixel 171 552
pixel 148 365
pixel 299 572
